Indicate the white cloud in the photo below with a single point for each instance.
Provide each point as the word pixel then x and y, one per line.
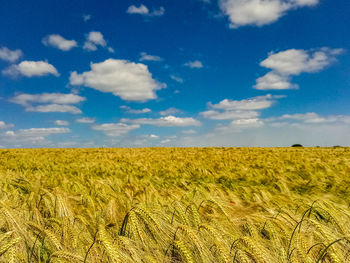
pixel 10 55
pixel 158 12
pixel 49 102
pixel 296 61
pixel 229 115
pixel 170 111
pixel 86 17
pixel 241 112
pixel 59 42
pixel 255 103
pixel 32 135
pixel 311 118
pixel 189 132
pixel 86 120
pixel 54 108
pixel 147 57
pixel 165 141
pixel 274 81
pixel 61 122
pixel 3 125
pixel 194 64
pixel 115 129
pixel 176 78
pixel 143 10
pixel 259 12
pixel 95 39
pixel 111 50
pixel 169 121
pixel 247 123
pixel 56 98
pixel 133 111
pixel 291 62
pixel 153 136
pixel 31 69
pixel 128 80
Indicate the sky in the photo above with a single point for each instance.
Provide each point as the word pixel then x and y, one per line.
pixel 257 73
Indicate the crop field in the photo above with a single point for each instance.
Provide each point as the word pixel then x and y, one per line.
pixel 175 205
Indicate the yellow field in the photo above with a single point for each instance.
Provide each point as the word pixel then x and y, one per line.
pixel 175 205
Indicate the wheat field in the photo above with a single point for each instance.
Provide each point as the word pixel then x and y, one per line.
pixel 175 205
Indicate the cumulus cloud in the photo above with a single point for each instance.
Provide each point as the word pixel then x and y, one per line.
pixel 54 108
pixel 255 103
pixel 128 80
pixel 259 12
pixel 144 11
pixel 246 109
pixel 170 111
pixel 4 125
pixel 194 64
pixel 61 122
pixel 133 111
pixel 229 115
pixel 31 69
pixel 59 42
pixel 288 63
pixel 146 57
pixel 95 39
pixel 32 135
pixel 168 121
pixel 115 129
pixel 85 120
pixel 296 61
pixel 247 123
pixel 49 102
pixel 310 118
pixel 274 81
pixel 10 55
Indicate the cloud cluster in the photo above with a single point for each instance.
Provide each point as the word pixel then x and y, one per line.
pixel 168 121
pixel 239 109
pixel 62 123
pixel 170 111
pixel 147 57
pixel 115 129
pixel 243 114
pixel 309 118
pixel 194 64
pixel 133 111
pixel 57 41
pixel 32 135
pixel 4 125
pixel 10 55
pixel 31 69
pixel 128 80
pixel 259 12
pixel 86 120
pixel 144 11
pixel 292 62
pixel 49 102
pixel 95 39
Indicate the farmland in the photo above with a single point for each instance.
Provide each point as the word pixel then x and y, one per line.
pixel 175 205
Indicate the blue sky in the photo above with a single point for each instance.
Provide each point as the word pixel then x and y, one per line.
pixel 174 73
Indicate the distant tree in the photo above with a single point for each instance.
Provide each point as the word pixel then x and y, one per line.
pixel 297 145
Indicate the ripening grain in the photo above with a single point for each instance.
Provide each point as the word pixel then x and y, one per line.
pixel 175 205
